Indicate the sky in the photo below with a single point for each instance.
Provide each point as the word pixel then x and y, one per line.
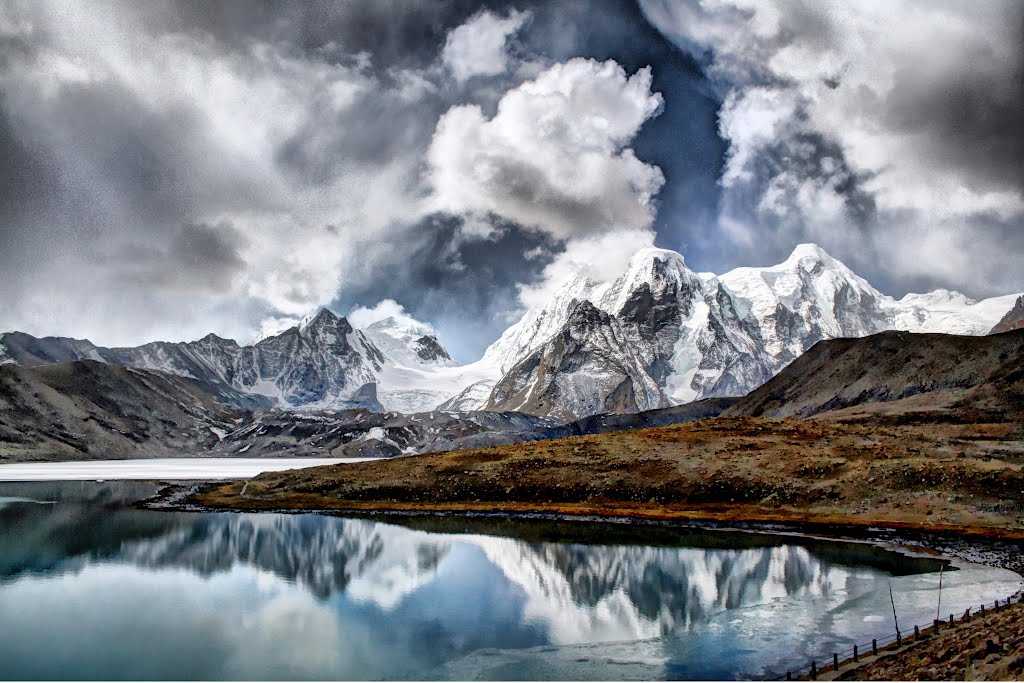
pixel 173 168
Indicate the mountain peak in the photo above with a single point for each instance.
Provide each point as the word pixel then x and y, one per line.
pixel 651 254
pixel 1013 320
pixel 212 338
pixel 323 317
pixel 809 251
pixel 660 270
pixel 403 324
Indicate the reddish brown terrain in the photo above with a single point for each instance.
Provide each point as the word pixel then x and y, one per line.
pixel 900 430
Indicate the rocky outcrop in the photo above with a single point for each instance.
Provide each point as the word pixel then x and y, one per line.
pixel 1013 320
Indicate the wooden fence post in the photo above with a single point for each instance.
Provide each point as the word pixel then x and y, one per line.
pixel 835 661
pixel 855 653
pixel 917 632
pixel 950 619
pixel 814 670
pixel 874 646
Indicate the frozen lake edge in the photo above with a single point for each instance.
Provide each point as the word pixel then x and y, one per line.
pixel 159 468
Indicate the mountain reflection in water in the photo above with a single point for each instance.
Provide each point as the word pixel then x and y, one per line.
pixel 351 598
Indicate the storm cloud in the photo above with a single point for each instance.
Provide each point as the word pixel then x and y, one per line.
pixel 882 131
pixel 178 167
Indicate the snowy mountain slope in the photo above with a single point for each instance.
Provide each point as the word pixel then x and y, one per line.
pixel 812 296
pixel 417 373
pixel 411 389
pixel 408 343
pixel 594 364
pixel 657 335
pixel 537 325
pixel 808 297
pixel 473 397
pixel 949 312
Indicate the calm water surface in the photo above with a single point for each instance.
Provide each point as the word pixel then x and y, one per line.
pixel 93 588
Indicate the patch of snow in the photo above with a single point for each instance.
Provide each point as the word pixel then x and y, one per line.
pixel 373 434
pixel 687 357
pixel 950 312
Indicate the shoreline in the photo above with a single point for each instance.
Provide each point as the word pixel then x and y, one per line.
pixel 738 514
pixel 980 545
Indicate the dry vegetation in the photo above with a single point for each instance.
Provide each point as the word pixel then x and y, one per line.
pixel 987 647
pixel 900 471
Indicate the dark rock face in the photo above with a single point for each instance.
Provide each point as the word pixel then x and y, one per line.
pixel 590 366
pixel 629 360
pixel 429 348
pixel 1013 320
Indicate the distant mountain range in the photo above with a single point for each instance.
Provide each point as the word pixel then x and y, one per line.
pixel 657 335
pixel 89 409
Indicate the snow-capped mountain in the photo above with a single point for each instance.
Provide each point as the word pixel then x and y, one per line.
pixel 324 363
pixel 808 297
pixel 408 342
pixel 657 334
pixel 588 367
pixel 668 335
pixel 949 312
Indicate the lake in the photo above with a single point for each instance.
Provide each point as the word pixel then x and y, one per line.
pixel 92 587
pixel 159 468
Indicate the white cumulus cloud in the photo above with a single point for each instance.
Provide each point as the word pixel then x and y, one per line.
pixel 479 47
pixel 362 316
pixel 554 156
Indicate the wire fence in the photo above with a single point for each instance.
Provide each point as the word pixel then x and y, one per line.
pixel 838 659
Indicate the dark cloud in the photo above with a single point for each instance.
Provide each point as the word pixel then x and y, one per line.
pixel 174 167
pixel 397 34
pixel 466 287
pixel 199 258
pixel 973 117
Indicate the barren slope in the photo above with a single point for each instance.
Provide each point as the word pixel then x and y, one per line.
pixel 974 374
pixel 88 409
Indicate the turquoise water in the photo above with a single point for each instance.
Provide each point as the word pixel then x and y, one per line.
pixel 91 587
